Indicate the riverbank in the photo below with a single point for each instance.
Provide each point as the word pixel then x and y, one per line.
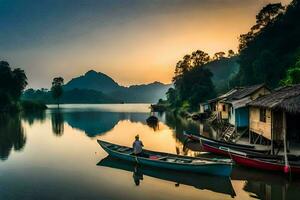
pixel 23 106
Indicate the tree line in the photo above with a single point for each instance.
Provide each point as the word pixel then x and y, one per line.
pixel 192 81
pixel 12 85
pixel 268 53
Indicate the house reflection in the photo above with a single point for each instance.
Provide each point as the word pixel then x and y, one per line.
pixel 266 185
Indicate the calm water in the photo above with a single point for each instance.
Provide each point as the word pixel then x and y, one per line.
pixel 54 155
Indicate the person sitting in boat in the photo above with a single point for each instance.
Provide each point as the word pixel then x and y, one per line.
pixel 138 147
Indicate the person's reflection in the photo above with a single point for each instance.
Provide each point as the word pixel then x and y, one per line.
pixel 137 175
pixel 57 120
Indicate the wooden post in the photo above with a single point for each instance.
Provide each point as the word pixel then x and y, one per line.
pixel 272 130
pixel 286 167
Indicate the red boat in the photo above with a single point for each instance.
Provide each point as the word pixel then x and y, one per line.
pixel 258 161
pixel 267 164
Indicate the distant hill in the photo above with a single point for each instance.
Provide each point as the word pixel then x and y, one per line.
pixel 142 93
pixel 223 70
pixel 93 80
pixel 96 87
pixel 69 96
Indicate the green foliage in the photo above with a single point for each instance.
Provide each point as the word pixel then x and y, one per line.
pixel 270 47
pixel 57 89
pixel 12 83
pixel 292 76
pixel 192 81
pixel 172 97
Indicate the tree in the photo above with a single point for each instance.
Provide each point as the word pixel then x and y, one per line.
pixel 219 55
pixel 292 75
pixel 192 81
pixel 12 84
pixel 268 50
pixel 230 53
pixel 199 58
pixel 57 89
pixel 172 97
pixel 267 15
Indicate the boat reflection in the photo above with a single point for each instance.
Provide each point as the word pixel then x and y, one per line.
pixel 202 182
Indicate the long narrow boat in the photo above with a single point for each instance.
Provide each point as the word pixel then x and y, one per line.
pixel 224 150
pixel 267 163
pixel 220 167
pixel 200 181
pixel 259 161
pixel 227 151
pixel 222 144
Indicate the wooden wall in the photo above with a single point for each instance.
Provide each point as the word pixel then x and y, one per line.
pixel 255 125
pixel 262 91
pixel 224 114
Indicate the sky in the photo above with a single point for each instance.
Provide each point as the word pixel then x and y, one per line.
pixel 132 41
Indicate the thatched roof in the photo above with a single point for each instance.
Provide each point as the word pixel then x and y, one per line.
pixel 243 92
pixel 284 98
pixel 223 96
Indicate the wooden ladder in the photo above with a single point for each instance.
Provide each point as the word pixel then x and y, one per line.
pixel 228 134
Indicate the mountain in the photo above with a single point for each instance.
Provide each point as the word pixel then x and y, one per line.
pixel 97 81
pixel 96 87
pixel 93 80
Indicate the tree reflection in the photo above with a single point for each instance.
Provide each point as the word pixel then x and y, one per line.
pixel 57 120
pixel 31 117
pixel 12 135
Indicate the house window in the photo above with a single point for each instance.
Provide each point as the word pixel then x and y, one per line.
pixel 223 107
pixel 262 115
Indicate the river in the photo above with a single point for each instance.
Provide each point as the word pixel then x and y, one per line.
pixel 55 155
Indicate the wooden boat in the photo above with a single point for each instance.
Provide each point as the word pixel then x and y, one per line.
pixel 221 167
pixel 227 151
pixel 259 161
pixel 199 181
pixel 222 144
pixel 270 164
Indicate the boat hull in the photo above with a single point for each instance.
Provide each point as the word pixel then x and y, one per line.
pixel 220 169
pixel 216 147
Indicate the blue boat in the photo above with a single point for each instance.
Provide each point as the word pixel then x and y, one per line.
pixel 212 166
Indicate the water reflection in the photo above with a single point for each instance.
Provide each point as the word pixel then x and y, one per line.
pixel 57 121
pixel 118 127
pixel 202 182
pixel 32 117
pixel 12 135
